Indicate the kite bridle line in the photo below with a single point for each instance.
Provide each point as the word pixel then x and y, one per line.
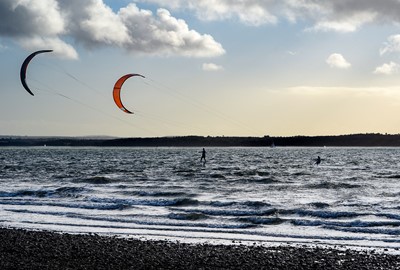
pixel 200 105
pixel 50 90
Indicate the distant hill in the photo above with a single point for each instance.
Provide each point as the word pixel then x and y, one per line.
pixel 373 140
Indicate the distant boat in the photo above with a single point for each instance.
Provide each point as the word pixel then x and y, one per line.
pixel 273 145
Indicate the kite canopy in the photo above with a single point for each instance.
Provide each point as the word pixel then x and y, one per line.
pixel 117 91
pixel 25 66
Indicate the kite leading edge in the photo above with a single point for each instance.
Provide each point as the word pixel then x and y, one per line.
pixel 25 66
pixel 117 91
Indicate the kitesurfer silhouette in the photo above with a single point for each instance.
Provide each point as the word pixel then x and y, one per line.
pixel 318 160
pixel 203 156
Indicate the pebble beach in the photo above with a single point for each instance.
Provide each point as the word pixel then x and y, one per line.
pixel 25 249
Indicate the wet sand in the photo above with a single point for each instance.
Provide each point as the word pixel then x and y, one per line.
pixel 22 249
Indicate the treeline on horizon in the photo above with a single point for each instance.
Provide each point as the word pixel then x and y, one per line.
pixel 372 140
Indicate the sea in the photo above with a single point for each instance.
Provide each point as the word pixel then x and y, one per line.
pixel 239 195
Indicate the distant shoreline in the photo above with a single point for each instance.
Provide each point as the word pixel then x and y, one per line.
pixel 352 140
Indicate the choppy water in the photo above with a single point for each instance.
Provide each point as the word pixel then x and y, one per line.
pixel 255 194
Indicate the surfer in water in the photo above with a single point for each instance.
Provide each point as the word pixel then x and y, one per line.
pixel 203 156
pixel 318 161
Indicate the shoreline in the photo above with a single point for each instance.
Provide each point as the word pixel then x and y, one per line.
pixel 350 140
pixel 29 249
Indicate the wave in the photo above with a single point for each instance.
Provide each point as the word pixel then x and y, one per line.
pixel 42 193
pixel 97 180
pixel 255 204
pixel 13 168
pixel 245 173
pixel 138 219
pixel 159 193
pixel 72 205
pixel 319 205
pixel 330 185
pixel 217 176
pixel 349 224
pixel 301 173
pixel 325 214
pixel 267 180
pixel 188 216
pixel 394 176
pixel 385 231
pixel 155 202
pixel 233 212
pixel 262 221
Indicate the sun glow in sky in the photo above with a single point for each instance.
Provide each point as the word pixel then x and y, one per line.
pixel 241 68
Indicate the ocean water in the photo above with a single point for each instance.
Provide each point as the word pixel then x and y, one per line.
pixel 260 195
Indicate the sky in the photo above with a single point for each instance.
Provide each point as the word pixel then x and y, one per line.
pixel 211 67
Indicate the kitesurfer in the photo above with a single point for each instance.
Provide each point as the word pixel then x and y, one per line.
pixel 203 156
pixel 318 160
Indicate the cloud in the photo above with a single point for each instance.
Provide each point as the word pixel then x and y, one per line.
pixel 347 24
pixel 30 17
pixel 59 47
pixel 212 67
pixel 249 12
pixel 393 45
pixel 93 23
pixel 32 22
pixel 336 60
pixel 165 35
pixel 337 15
pixel 55 23
pixel 387 69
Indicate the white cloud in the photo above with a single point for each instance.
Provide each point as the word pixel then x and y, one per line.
pixel 336 60
pixel 93 23
pixel 165 35
pixel 249 12
pixel 211 67
pixel 393 45
pixel 387 69
pixel 60 48
pixel 337 15
pixel 347 24
pixel 50 23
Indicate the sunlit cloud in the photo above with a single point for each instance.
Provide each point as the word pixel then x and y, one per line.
pixel 387 69
pixel 165 35
pixel 347 24
pixel 60 48
pixel 392 45
pixel 336 60
pixel 291 52
pixel 248 12
pixel 211 67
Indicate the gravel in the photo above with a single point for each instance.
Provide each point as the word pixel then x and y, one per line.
pixel 24 249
